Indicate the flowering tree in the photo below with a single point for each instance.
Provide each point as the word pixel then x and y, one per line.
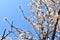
pixel 46 18
pixel 45 21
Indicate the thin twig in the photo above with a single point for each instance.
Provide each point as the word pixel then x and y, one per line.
pixel 3 34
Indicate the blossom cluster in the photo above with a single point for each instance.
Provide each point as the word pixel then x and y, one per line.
pixel 47 13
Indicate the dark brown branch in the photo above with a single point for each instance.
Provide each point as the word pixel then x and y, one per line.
pixel 53 1
pixel 54 31
pixel 59 12
pixel 46 36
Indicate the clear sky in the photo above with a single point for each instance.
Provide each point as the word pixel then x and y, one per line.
pixel 9 9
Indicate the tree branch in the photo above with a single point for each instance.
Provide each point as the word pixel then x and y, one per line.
pixel 54 31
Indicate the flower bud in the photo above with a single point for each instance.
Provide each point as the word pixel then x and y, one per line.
pixel 5 18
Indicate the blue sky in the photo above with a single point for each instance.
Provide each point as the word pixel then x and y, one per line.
pixel 9 9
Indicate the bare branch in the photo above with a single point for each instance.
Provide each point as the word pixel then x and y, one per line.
pixel 3 37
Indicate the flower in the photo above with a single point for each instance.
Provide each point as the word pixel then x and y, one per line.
pixel 32 3
pixel 39 10
pixel 34 23
pixel 32 11
pixel 25 32
pixel 51 14
pixel 5 18
pixel 30 37
pixel 30 32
